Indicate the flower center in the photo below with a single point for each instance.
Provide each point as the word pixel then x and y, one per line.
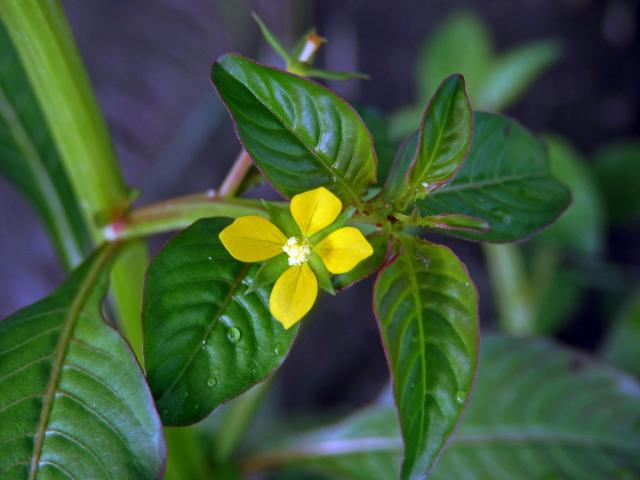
pixel 298 250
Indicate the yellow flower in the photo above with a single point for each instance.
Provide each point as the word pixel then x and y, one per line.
pixel 255 239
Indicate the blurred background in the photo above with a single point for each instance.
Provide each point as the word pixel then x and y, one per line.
pixel 149 63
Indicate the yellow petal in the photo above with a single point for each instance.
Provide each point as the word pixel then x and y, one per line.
pixel 293 295
pixel 315 210
pixel 252 239
pixel 343 249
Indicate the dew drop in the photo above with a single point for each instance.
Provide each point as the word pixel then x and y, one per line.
pixel 211 382
pixel 234 334
pixel 277 349
pixel 461 396
pixel 501 214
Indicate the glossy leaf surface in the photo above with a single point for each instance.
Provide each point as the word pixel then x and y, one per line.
pixel 445 136
pixel 426 307
pixel 299 134
pixel 538 411
pixel 73 402
pixel 29 158
pixel 206 339
pixel 505 180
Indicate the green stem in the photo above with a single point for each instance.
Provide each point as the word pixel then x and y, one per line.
pixel 43 40
pixel 236 420
pixel 178 213
pixel 511 288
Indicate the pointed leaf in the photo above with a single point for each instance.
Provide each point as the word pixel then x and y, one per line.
pixel 445 137
pixel 73 402
pixel 427 309
pixel 30 160
pixel 298 133
pixel 206 339
pixel 505 180
pixel 512 74
pixel 538 411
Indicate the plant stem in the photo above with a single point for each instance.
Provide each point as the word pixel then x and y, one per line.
pixel 511 289
pixel 178 213
pixel 234 178
pixel 236 420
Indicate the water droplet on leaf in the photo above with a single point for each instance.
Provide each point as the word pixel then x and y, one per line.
pixel 277 349
pixel 461 396
pixel 501 214
pixel 211 382
pixel 234 334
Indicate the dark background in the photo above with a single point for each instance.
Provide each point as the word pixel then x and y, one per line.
pixel 149 62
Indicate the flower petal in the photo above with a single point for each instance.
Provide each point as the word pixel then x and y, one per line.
pixel 315 210
pixel 343 249
pixel 252 239
pixel 293 295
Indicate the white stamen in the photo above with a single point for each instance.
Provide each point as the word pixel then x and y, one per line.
pixel 298 250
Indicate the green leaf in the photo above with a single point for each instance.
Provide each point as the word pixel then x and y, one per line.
pixel 512 74
pixel 461 44
pixel 427 309
pixel 505 180
pixel 271 39
pixel 30 161
pixel 395 186
pixel 581 227
pixel 41 35
pixel 617 168
pixel 206 339
pixel 539 411
pixel 74 403
pixel 445 137
pixel 622 344
pixel 380 243
pixel 299 134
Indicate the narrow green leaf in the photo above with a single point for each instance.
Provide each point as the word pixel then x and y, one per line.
pixel 206 339
pixel 512 74
pixel 581 227
pixel 617 168
pixel 74 403
pixel 505 180
pixel 42 37
pixel 396 182
pixel 622 344
pixel 461 44
pixel 30 160
pixel 271 39
pixel 445 137
pixel 539 411
pixel 298 133
pixel 427 309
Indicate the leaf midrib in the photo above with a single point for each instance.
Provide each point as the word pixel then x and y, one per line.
pixel 214 321
pixel 491 182
pixel 345 186
pixel 436 148
pixel 68 325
